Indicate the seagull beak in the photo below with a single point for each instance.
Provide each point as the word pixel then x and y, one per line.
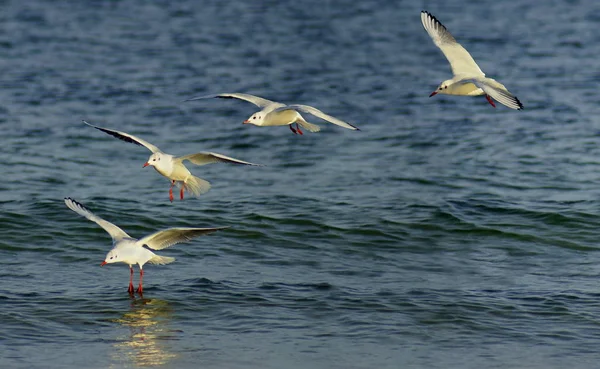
pixel 433 93
pixel 246 122
pixel 103 263
pixel 145 165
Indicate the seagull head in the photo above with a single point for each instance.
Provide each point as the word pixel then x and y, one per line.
pixel 256 119
pixel 111 257
pixel 154 159
pixel 442 88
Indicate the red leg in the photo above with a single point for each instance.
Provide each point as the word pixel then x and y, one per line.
pixel 489 99
pixel 293 130
pixel 140 288
pixel 171 191
pixel 181 191
pixel 298 129
pixel 130 289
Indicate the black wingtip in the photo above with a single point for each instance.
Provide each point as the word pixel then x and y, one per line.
pixel 90 124
pixel 118 135
pixel 217 96
pixel 80 205
pixel 521 107
pixel 433 18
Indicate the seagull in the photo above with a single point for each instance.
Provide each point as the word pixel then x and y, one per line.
pixel 278 114
pixel 468 79
pixel 129 250
pixel 172 167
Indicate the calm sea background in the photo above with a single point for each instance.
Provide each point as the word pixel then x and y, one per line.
pixel 445 234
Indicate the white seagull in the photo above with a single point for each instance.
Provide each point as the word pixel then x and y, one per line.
pixel 172 167
pixel 278 114
pixel 468 79
pixel 131 251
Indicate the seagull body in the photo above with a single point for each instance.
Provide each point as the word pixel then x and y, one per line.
pixel 278 114
pixel 468 78
pixel 172 167
pixel 131 251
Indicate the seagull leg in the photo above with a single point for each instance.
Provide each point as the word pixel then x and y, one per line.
pixel 130 289
pixel 293 130
pixel 298 129
pixel 489 99
pixel 181 191
pixel 140 289
pixel 171 190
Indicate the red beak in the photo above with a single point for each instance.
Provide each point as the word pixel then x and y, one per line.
pixel 433 93
pixel 103 263
pixel 245 122
pixel 145 165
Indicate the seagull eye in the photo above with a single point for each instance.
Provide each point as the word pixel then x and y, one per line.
pixel 111 258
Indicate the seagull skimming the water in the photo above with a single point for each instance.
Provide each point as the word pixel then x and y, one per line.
pixel 131 251
pixel 172 167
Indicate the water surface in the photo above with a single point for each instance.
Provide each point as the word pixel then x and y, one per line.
pixel 445 234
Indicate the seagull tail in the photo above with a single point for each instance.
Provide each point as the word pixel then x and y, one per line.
pixel 196 186
pixel 161 260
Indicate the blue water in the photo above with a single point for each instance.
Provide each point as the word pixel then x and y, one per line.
pixel 444 234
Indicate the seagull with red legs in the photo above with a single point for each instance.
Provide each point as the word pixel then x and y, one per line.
pixel 468 79
pixel 278 114
pixel 172 167
pixel 131 251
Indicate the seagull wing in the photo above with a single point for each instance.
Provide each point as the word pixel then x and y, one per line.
pixel 498 92
pixel 163 239
pixel 319 114
pixel 461 61
pixel 126 137
pixel 258 101
pixel 205 157
pixel 115 232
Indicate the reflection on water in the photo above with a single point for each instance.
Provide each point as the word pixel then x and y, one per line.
pixel 147 341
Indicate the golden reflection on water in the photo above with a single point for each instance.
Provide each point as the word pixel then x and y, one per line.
pixel 147 342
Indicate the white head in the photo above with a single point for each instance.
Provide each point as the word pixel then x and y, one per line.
pixel 257 119
pixel 442 88
pixel 155 159
pixel 111 257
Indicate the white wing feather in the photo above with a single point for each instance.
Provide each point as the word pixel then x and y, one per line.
pixel 461 61
pixel 258 101
pixel 501 95
pixel 126 137
pixel 319 114
pixel 115 232
pixel 163 239
pixel 205 157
